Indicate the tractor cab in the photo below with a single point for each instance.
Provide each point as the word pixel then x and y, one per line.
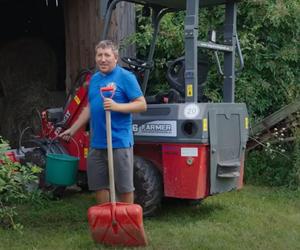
pixel 198 146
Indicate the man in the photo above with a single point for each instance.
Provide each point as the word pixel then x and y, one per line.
pixel 128 98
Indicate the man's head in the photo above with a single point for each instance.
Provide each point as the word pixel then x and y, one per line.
pixel 106 56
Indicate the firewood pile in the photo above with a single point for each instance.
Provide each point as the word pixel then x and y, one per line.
pixel 276 128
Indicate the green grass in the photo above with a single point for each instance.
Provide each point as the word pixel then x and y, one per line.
pixel 253 218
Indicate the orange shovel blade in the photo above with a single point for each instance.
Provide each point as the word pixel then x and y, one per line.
pixel 125 228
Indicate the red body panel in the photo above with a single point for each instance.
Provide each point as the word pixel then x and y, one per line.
pixel 76 105
pixel 184 177
pixel 119 224
pixel 186 170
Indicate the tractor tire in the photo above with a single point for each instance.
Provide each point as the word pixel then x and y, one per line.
pixel 82 180
pixel 148 186
pixel 38 157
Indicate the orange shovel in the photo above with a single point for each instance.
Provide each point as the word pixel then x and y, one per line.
pixel 116 223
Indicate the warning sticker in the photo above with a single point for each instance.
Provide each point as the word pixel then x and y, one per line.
pixel 246 123
pixel 204 125
pixel 190 90
pixel 189 152
pixel 77 100
pixel 85 152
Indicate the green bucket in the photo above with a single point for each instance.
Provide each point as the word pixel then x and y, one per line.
pixel 61 169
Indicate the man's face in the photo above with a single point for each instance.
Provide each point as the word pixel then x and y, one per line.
pixel 106 60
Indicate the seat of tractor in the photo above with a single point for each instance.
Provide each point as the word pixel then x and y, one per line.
pixel 175 78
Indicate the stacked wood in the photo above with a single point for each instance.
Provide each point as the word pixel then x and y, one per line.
pixel 277 127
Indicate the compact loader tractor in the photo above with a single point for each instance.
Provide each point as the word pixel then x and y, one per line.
pixel 185 147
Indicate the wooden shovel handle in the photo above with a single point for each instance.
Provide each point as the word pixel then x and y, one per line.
pixel 110 157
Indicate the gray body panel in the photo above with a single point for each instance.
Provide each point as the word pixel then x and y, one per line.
pixel 228 134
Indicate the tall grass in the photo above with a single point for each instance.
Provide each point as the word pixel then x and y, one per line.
pixel 253 218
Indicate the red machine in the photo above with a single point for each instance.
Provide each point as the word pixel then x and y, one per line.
pixel 180 170
pixel 185 147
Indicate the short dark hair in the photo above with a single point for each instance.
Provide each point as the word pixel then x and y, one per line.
pixel 104 44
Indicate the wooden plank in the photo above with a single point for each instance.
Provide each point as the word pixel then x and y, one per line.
pixel 263 131
pixel 83 31
pixel 72 45
pixel 67 45
pixel 112 32
pixel 125 27
pixel 99 22
pixel 93 36
pixel 278 116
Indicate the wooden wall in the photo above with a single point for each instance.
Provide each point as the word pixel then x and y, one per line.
pixel 83 27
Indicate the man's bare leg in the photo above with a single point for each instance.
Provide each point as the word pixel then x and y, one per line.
pixel 102 196
pixel 127 197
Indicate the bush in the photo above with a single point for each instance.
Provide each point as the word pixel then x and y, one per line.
pixel 275 165
pixel 296 159
pixel 269 36
pixel 16 186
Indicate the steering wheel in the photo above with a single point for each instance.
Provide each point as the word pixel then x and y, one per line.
pixel 175 75
pixel 176 71
pixel 136 64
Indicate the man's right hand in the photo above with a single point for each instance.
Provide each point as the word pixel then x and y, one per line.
pixel 66 135
pixel 82 120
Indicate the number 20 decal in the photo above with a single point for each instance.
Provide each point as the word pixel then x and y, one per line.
pixel 191 111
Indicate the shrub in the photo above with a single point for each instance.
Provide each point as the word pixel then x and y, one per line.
pixel 275 165
pixel 16 182
pixel 296 159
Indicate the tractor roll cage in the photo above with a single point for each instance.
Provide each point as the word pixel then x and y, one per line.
pixel 229 47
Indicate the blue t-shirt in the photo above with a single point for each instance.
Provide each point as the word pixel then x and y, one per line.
pixel 127 89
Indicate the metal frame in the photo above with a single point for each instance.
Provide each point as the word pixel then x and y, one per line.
pixel 192 45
